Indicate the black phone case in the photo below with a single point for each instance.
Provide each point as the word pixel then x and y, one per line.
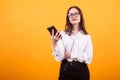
pixel 52 28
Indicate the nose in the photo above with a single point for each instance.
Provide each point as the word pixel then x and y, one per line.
pixel 73 15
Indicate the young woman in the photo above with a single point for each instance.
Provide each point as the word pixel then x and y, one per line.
pixel 73 47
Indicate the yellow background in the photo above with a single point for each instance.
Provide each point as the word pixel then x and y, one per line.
pixel 25 46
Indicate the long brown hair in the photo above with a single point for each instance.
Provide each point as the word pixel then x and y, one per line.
pixel 69 27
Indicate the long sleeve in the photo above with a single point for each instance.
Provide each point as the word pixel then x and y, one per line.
pixel 83 50
pixel 88 52
pixel 79 45
pixel 58 51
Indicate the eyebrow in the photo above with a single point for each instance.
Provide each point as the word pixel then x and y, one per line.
pixel 73 13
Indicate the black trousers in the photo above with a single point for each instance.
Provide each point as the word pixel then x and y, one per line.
pixel 74 71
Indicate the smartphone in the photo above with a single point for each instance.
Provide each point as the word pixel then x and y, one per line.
pixel 52 28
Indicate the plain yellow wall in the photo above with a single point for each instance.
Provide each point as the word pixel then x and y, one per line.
pixel 25 46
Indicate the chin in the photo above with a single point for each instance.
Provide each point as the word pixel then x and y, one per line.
pixel 75 23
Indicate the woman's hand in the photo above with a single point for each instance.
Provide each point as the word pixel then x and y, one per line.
pixel 67 55
pixel 55 38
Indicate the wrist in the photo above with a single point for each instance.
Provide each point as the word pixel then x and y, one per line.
pixel 67 55
pixel 54 45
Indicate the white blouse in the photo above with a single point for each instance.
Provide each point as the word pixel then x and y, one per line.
pixel 79 45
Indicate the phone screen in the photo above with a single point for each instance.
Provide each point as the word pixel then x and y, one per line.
pixel 52 28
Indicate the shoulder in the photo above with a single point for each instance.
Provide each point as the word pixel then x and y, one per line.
pixel 86 36
pixel 64 35
pixel 62 32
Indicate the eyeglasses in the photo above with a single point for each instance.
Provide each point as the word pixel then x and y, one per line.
pixel 71 14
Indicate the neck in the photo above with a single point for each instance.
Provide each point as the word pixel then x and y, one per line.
pixel 75 28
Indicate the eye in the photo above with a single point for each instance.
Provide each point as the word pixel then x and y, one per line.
pixel 76 14
pixel 71 14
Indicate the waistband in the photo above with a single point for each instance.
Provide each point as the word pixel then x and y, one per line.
pixel 71 62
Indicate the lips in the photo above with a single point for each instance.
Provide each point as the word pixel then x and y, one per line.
pixel 74 19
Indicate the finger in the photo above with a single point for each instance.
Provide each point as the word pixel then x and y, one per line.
pixel 52 33
pixel 56 34
pixel 59 35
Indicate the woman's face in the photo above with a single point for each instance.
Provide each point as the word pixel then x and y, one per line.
pixel 74 16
